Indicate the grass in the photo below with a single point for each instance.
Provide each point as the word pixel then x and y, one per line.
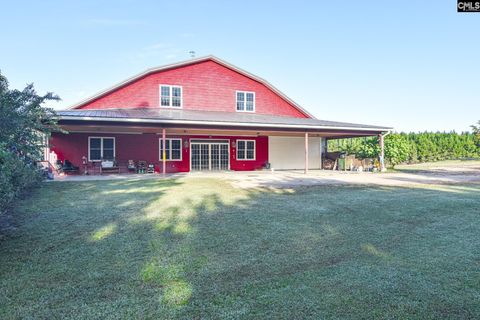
pixel 426 166
pixel 197 248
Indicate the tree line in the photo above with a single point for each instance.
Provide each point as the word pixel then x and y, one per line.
pixel 414 147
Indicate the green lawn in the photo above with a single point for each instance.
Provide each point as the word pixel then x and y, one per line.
pixel 426 166
pixel 197 248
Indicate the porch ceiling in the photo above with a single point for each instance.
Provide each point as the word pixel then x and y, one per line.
pixel 133 129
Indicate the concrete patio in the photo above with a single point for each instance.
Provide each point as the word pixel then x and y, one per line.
pixel 293 178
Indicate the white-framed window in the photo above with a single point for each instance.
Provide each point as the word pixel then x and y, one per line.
pixel 245 101
pixel 245 149
pixel 101 148
pixel 173 150
pixel 170 96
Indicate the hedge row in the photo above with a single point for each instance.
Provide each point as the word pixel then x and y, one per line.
pixel 428 146
pixel 413 147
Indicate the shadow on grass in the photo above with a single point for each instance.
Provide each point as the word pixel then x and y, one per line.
pixel 198 248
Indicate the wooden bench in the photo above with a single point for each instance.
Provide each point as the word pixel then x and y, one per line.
pixel 109 166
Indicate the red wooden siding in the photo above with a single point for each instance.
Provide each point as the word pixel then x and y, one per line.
pixel 206 86
pixel 136 147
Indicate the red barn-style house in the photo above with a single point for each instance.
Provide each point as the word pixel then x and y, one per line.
pixel 201 114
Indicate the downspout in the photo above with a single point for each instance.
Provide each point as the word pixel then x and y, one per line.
pixel 306 153
pixel 381 158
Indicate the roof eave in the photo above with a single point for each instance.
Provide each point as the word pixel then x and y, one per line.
pixel 224 123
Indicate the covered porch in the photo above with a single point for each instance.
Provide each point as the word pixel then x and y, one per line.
pixel 194 148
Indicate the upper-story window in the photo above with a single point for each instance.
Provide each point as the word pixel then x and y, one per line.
pixel 245 101
pixel 170 96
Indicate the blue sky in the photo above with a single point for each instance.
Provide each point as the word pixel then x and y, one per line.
pixel 411 64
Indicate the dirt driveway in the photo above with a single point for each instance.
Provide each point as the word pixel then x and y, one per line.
pixel 432 174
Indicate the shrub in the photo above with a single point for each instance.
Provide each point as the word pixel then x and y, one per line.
pixel 397 149
pixel 25 123
pixel 15 177
pixel 370 148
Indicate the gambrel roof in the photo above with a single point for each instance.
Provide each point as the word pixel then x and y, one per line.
pixel 186 63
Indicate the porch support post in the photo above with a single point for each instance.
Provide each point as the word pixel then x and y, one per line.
pixel 323 150
pixel 164 151
pixel 306 152
pixel 382 152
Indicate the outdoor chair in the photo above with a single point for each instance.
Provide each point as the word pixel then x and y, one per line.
pixel 66 167
pixel 142 167
pixel 131 167
pixel 151 168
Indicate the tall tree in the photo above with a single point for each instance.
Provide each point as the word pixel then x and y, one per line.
pixel 24 119
pixel 476 131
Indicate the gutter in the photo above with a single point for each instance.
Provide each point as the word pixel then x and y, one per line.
pixel 222 123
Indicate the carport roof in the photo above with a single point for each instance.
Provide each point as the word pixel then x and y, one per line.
pixel 208 118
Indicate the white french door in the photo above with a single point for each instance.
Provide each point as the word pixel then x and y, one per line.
pixel 209 155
